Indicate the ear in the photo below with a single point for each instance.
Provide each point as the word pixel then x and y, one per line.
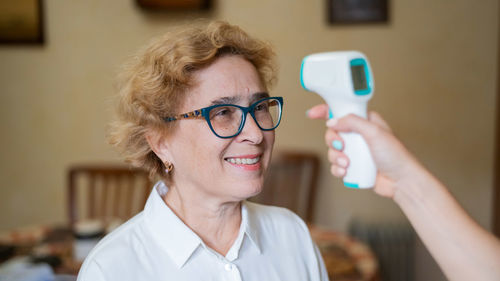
pixel 159 145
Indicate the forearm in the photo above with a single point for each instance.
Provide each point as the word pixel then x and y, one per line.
pixel 463 249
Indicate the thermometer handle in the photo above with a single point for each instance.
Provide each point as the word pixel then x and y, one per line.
pixel 361 172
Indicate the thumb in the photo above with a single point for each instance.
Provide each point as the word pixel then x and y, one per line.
pixel 377 119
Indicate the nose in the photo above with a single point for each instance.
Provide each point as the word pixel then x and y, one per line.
pixel 251 131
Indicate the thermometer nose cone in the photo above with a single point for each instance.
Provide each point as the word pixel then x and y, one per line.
pixel 302 74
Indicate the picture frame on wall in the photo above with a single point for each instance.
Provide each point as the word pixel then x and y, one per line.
pixel 175 4
pixel 21 22
pixel 358 11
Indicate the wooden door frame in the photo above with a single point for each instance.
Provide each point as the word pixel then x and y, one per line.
pixel 496 168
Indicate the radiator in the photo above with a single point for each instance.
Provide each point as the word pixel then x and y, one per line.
pixel 394 246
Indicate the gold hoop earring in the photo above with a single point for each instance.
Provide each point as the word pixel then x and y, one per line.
pixel 169 167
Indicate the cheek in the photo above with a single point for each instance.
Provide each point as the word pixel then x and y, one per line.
pixel 269 138
pixel 206 153
pixel 190 149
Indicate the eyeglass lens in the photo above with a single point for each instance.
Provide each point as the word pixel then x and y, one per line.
pixel 226 120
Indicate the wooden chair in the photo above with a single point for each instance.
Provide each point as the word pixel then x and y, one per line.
pixel 291 183
pixel 106 192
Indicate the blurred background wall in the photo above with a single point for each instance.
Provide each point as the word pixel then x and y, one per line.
pixel 435 73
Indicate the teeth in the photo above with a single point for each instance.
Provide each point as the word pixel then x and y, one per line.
pixel 244 161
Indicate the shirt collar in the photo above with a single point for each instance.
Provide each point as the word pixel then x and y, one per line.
pixel 173 236
pixel 177 239
pixel 251 224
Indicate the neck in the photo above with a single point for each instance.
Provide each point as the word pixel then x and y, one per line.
pixel 217 223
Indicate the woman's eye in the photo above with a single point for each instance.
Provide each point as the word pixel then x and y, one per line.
pixel 261 107
pixel 221 112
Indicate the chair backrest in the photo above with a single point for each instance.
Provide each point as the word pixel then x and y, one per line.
pixel 106 192
pixel 291 182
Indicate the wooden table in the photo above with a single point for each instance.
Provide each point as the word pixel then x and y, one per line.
pixel 346 259
pixel 53 245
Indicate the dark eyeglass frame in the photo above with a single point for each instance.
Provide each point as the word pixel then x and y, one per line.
pixel 204 112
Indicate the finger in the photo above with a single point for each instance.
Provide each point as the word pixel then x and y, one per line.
pixel 377 119
pixel 337 171
pixel 333 140
pixel 338 158
pixel 320 111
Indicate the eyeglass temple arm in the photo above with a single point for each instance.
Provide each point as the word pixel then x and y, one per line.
pixel 192 114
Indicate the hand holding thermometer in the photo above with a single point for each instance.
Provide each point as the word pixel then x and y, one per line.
pixel 345 81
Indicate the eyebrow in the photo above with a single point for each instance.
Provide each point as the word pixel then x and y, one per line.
pixel 225 100
pixel 235 99
pixel 257 96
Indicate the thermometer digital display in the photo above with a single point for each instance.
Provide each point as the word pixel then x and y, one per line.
pixel 358 77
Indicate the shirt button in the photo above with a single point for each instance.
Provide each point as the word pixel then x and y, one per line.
pixel 228 267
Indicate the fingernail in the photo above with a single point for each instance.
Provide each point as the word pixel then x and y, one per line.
pixel 330 114
pixel 342 162
pixel 340 171
pixel 332 122
pixel 337 145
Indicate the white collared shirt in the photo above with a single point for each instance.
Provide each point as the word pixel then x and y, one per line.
pixel 273 244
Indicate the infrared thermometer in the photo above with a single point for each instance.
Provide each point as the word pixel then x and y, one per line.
pixel 344 80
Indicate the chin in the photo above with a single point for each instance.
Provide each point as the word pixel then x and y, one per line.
pixel 255 192
pixel 249 190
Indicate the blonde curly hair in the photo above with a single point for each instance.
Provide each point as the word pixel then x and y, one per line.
pixel 155 81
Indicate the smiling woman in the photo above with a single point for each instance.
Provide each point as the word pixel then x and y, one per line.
pixel 154 83
pixel 195 111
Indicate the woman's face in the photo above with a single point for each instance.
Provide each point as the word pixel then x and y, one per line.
pixel 206 162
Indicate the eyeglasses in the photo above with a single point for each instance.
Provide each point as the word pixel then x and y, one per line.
pixel 227 120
